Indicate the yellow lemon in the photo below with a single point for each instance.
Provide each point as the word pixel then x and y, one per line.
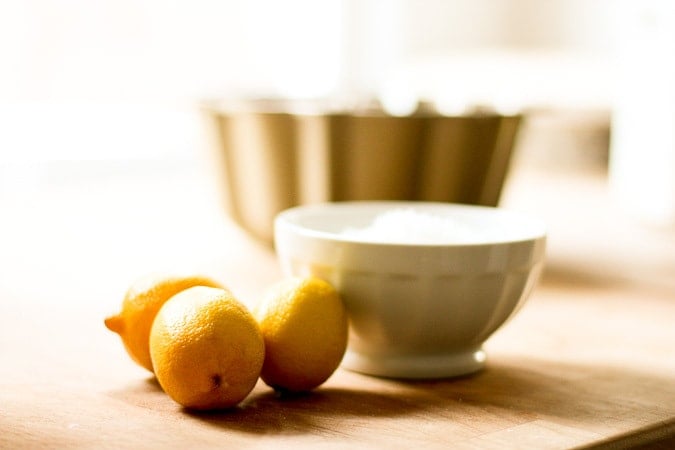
pixel 304 324
pixel 206 349
pixel 139 307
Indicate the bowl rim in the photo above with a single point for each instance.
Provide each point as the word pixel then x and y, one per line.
pixel 339 107
pixel 286 220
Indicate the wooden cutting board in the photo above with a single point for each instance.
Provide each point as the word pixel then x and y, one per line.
pixel 589 361
pixel 579 365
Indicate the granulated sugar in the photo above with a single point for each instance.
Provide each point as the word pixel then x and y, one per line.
pixel 409 226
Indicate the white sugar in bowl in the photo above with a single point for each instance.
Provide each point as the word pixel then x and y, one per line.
pixel 425 284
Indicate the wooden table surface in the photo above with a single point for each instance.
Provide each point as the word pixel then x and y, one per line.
pixel 589 361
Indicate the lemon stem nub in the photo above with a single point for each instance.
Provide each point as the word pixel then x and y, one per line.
pixel 115 323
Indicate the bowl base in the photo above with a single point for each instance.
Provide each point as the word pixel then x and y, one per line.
pixel 417 366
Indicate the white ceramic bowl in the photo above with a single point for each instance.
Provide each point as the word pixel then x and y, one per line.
pixel 421 304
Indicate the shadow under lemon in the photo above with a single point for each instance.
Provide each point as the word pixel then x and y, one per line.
pixel 504 394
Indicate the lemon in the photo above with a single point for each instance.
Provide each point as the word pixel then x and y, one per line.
pixel 304 325
pixel 207 349
pixel 139 307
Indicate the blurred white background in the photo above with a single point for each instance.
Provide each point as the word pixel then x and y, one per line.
pixel 104 80
pixel 101 139
pixel 120 79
